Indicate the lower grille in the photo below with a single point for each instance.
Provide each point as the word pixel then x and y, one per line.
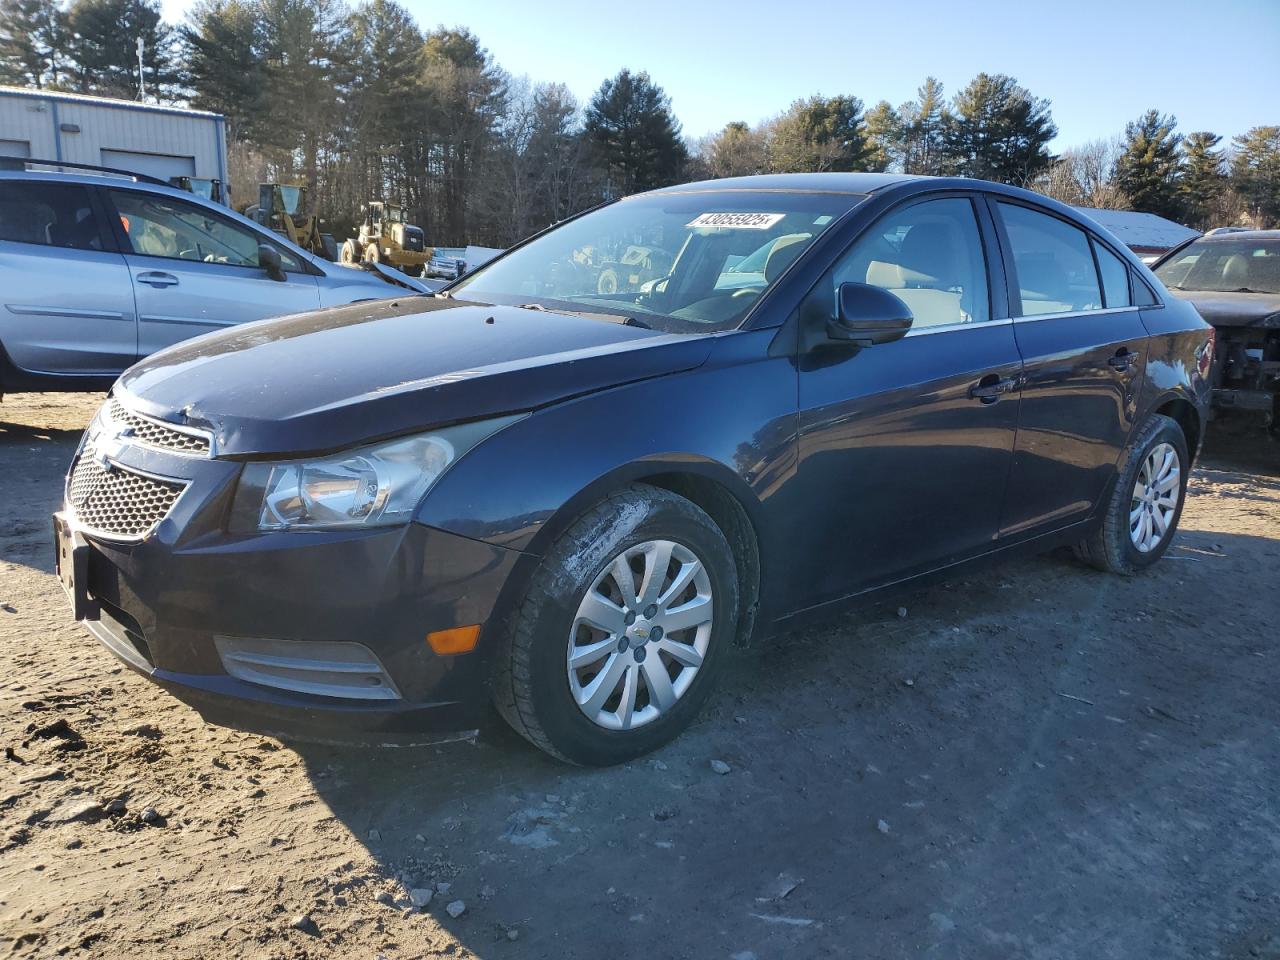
pixel 117 502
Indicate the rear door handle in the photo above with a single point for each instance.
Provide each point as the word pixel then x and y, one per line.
pixel 990 388
pixel 157 278
pixel 1123 360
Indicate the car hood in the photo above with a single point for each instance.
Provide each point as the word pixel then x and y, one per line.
pixel 1234 309
pixel 323 381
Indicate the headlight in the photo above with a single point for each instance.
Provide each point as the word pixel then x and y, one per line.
pixel 373 486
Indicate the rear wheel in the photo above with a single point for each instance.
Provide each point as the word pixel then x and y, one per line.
pixel 412 269
pixel 1142 513
pixel 622 632
pixel 372 253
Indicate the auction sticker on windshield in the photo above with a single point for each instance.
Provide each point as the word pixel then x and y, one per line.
pixel 736 221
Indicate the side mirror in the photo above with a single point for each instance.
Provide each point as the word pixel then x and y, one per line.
pixel 867 315
pixel 269 260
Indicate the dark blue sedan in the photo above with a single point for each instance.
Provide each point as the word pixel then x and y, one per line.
pixel 572 482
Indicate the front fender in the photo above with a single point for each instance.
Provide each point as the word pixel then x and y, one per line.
pixel 731 421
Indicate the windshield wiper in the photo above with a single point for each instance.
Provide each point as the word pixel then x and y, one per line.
pixel 626 321
pixel 1245 290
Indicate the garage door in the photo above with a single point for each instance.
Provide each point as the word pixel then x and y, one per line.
pixel 15 148
pixel 160 165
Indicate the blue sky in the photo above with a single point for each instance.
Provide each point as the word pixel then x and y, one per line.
pixel 1215 64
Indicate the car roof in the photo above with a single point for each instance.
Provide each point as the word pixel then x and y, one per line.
pixel 1241 235
pixel 104 179
pixel 851 183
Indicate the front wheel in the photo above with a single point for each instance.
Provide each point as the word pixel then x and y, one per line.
pixel 622 632
pixel 349 254
pixel 1142 513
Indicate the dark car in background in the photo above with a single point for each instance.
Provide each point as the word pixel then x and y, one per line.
pixel 1233 278
pixel 575 502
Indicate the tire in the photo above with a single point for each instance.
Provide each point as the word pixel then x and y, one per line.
pixel 413 269
pixel 607 282
pixel 1112 547
pixel 373 253
pixel 536 690
pixel 349 254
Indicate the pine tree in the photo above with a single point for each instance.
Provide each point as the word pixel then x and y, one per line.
pixel 821 133
pixel 385 46
pixel 1150 164
pixel 1255 173
pixel 223 64
pixel 997 130
pixel 635 135
pixel 1202 182
pixel 465 95
pixel 924 129
pixel 302 45
pixel 103 47
pixel 33 43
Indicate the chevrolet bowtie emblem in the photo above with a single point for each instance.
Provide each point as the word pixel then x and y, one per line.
pixel 108 443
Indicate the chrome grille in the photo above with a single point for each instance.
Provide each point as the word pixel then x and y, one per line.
pixel 117 502
pixel 153 433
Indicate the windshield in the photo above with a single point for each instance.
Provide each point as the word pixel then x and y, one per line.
pixel 291 198
pixel 682 262
pixel 1224 266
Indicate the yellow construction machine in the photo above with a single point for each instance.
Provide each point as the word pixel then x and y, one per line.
pixel 384 237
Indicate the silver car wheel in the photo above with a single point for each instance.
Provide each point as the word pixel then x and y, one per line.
pixel 1155 497
pixel 640 635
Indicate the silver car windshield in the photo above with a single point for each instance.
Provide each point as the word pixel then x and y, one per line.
pixel 1225 266
pixel 684 262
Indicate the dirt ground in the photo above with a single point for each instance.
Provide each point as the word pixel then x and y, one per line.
pixel 1038 761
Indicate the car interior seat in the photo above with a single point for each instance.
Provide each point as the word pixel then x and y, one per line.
pixel 926 274
pixel 1235 271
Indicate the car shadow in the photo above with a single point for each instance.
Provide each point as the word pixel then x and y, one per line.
pixel 933 773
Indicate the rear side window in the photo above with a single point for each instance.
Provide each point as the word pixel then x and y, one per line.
pixel 1115 277
pixel 49 214
pixel 1053 262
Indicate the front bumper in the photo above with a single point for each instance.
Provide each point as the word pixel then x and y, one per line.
pixel 169 603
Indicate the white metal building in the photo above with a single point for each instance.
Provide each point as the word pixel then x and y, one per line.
pixel 140 137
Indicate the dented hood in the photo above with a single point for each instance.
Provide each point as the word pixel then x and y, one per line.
pixel 324 381
pixel 1234 309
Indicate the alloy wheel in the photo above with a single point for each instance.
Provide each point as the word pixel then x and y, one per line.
pixel 1154 500
pixel 640 635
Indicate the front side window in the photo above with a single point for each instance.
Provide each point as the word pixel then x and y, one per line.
pixel 930 256
pixel 161 226
pixel 1053 262
pixel 1224 266
pixel 49 214
pixel 684 262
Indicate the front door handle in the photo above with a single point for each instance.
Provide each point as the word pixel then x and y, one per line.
pixel 990 388
pixel 157 278
pixel 1123 360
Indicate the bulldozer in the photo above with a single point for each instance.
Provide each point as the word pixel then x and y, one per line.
pixel 385 238
pixel 281 207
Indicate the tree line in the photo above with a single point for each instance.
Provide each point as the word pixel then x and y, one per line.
pixel 360 103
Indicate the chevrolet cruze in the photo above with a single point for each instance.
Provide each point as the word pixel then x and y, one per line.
pixel 374 520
